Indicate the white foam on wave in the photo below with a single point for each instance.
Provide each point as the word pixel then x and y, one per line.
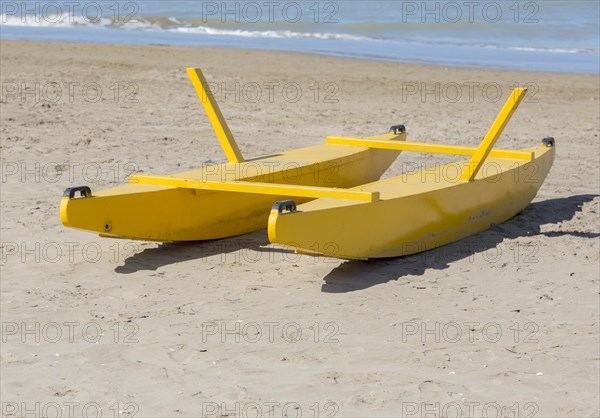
pixel 510 47
pixel 66 21
pixel 57 21
pixel 207 30
pixel 177 26
pixel 555 50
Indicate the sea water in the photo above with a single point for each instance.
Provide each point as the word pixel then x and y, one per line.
pixel 545 35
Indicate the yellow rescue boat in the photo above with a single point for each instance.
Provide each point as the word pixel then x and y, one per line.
pixel 415 212
pixel 353 216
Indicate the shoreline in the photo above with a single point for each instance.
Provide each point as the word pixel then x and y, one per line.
pixel 316 55
pixel 460 56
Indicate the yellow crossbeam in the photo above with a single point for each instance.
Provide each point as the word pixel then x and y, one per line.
pixel 215 116
pixel 493 134
pixel 257 188
pixel 425 147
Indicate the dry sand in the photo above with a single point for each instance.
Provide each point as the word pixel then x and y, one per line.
pixel 504 322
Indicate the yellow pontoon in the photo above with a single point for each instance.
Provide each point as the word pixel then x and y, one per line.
pixel 228 199
pixel 421 210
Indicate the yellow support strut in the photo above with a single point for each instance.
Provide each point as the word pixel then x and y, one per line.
pixel 425 147
pixel 493 134
pixel 216 117
pixel 274 189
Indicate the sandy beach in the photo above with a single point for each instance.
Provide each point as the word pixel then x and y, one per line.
pixel 504 323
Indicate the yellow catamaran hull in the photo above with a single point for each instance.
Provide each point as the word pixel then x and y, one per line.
pixel 228 199
pixel 168 213
pixel 423 210
pixel 416 212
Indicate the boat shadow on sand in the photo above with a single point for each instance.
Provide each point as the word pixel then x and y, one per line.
pixel 357 275
pixel 244 248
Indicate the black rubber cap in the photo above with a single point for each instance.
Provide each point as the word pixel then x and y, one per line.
pixel 398 128
pixel 282 205
pixel 85 191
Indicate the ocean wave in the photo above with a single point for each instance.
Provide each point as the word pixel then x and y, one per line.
pixel 175 25
pixel 510 47
pixel 58 21
pixel 207 30
pixel 546 49
pixel 172 25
